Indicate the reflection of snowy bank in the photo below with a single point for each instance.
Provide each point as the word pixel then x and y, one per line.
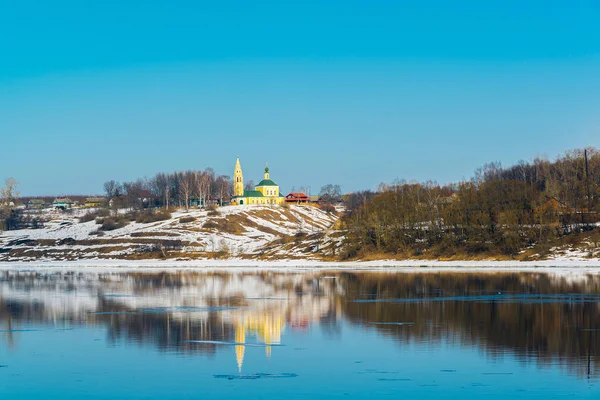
pixel 283 265
pixel 202 311
pixel 182 296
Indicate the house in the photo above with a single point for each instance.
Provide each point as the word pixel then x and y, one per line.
pixel 266 192
pixel 63 203
pixel 196 202
pixel 313 199
pixel 296 197
pixel 148 199
pixel 36 204
pixel 95 202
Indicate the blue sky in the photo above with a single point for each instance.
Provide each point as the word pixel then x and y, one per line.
pixel 348 92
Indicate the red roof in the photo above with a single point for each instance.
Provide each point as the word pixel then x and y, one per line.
pixel 297 195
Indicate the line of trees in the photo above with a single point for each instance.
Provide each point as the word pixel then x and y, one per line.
pixel 177 189
pixel 500 210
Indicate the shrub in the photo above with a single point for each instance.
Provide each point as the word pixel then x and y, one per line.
pixel 91 216
pixel 161 247
pixel 328 208
pixel 212 210
pixel 185 220
pixel 210 225
pixel 112 223
pixel 148 216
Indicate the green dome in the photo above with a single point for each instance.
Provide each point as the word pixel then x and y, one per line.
pixel 266 182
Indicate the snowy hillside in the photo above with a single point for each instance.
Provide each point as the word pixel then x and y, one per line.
pixel 234 232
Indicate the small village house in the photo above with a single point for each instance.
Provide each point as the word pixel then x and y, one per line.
pixel 297 198
pixel 62 203
pixel 36 204
pixel 95 202
pixel 313 199
pixel 147 199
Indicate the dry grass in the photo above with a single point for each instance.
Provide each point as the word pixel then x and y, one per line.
pixel 149 216
pixel 232 224
pixel 154 234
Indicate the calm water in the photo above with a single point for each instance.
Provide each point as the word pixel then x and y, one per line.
pixel 298 335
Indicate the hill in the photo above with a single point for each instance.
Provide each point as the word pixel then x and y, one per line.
pixel 249 232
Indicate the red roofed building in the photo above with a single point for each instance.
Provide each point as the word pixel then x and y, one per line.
pixel 296 198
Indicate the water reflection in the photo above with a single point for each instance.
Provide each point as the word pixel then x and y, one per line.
pixel 548 319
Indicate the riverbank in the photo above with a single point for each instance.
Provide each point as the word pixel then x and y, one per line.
pixel 587 266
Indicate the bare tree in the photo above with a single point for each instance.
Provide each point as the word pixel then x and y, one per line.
pixel 186 186
pixel 9 193
pixel 249 185
pixel 203 184
pixel 133 193
pixel 112 188
pixel 160 184
pixel 223 188
pixel 331 193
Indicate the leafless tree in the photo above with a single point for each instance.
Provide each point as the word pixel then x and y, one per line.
pixel 223 188
pixel 203 184
pixel 249 185
pixel 112 188
pixel 9 193
pixel 133 193
pixel 331 193
pixel 186 187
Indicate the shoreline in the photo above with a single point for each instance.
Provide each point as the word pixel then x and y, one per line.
pixel 564 266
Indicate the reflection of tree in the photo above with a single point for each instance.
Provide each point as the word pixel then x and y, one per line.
pixel 564 331
pixel 554 331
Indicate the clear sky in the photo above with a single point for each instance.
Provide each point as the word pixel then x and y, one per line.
pixel 348 92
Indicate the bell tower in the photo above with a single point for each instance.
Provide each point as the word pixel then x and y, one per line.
pixel 238 179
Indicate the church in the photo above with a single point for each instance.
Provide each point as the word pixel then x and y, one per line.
pixel 266 192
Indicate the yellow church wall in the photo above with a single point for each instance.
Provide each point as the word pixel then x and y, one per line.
pixel 270 191
pixel 258 200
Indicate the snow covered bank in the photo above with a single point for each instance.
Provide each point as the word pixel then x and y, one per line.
pixel 588 266
pixel 232 232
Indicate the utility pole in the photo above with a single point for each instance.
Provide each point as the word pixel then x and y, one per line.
pixel 587 181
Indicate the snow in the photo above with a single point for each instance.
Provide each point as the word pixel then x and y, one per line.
pixel 587 266
pixel 249 240
pixel 250 243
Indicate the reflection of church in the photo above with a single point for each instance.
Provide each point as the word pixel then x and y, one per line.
pixel 267 328
pixel 266 192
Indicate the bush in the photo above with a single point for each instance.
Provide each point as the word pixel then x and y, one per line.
pixel 210 225
pixel 328 208
pixel 148 216
pixel 112 223
pixel 185 220
pixel 161 247
pixel 212 210
pixel 91 216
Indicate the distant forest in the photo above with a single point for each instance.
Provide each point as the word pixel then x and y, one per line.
pixel 500 211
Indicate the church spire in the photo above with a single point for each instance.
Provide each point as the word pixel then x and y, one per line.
pixel 238 179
